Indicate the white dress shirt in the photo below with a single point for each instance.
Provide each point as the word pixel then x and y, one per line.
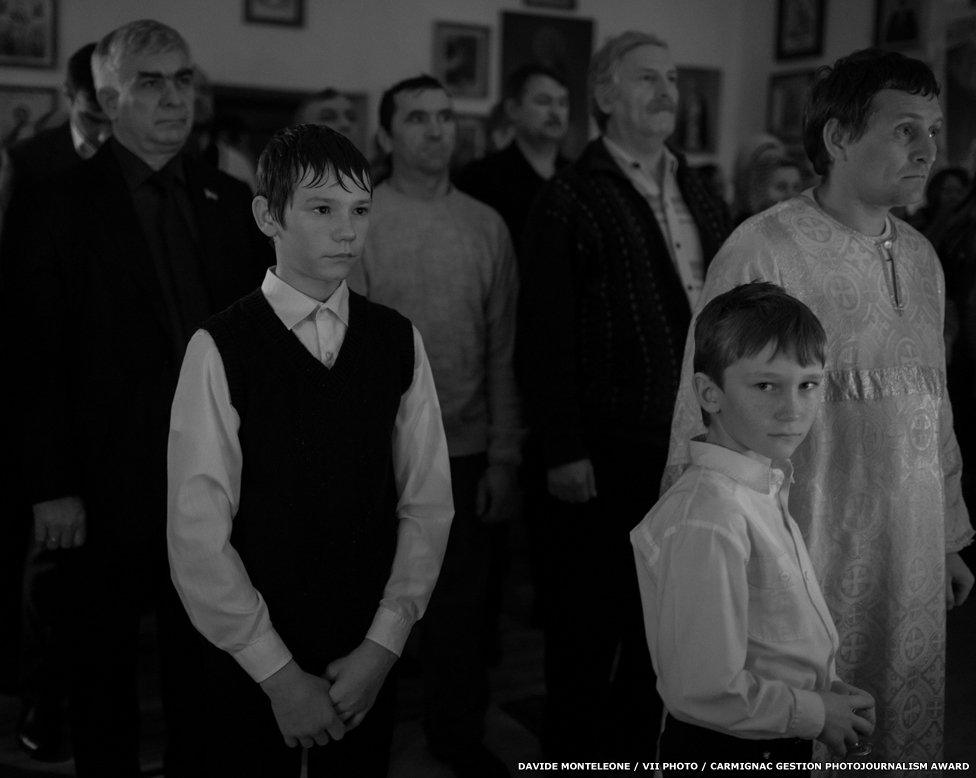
pixel 739 632
pixel 205 462
pixel 672 215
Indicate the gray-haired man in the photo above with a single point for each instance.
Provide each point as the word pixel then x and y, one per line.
pixel 134 249
pixel 614 256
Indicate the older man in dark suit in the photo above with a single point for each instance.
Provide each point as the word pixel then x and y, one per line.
pixel 133 250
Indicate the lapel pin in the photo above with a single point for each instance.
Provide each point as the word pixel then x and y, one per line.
pixel 210 195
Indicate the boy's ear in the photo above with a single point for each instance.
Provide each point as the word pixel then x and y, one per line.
pixel 262 216
pixel 708 393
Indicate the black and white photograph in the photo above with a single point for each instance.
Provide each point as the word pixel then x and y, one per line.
pixel 286 13
pixel 29 33
pixel 799 28
pixel 460 58
pixel 487 388
pixel 899 23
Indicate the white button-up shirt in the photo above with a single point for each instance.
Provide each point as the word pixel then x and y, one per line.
pixel 738 630
pixel 672 215
pixel 205 463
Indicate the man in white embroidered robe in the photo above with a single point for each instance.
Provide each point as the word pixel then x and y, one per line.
pixel 877 493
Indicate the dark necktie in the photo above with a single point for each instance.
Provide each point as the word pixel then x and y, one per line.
pixel 187 298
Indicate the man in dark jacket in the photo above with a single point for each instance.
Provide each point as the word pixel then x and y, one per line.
pixel 129 253
pixel 614 257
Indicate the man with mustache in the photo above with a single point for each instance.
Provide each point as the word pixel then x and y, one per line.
pixel 445 261
pixel 133 250
pixel 537 104
pixel 614 256
pixel 878 479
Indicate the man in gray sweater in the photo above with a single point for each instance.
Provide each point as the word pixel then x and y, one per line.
pixel 446 261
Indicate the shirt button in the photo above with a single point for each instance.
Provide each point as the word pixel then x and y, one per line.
pixel 328 356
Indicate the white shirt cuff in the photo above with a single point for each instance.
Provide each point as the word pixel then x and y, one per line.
pixel 809 715
pixel 390 630
pixel 264 657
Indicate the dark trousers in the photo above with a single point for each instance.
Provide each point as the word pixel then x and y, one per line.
pixel 682 742
pixel 237 734
pixel 454 672
pixel 601 697
pixel 112 585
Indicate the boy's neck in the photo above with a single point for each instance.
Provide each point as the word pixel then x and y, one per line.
pixel 713 437
pixel 310 287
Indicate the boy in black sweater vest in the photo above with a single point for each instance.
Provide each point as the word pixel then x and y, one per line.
pixel 309 496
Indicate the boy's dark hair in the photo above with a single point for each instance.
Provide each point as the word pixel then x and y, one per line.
pixel 744 320
pixel 419 83
pixel 79 77
pixel 846 90
pixel 518 79
pixel 307 150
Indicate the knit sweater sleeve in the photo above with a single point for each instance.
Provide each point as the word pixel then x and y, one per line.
pixel 504 423
pixel 552 256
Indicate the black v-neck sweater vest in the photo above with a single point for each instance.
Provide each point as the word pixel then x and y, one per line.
pixel 316 527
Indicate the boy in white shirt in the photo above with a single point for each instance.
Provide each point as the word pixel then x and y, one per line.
pixel 741 639
pixel 309 488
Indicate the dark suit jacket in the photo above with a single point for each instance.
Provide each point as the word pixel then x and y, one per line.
pixel 42 157
pixel 47 154
pixel 98 349
pixel 603 314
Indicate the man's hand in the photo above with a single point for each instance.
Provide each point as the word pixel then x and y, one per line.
pixel 60 523
pixel 959 581
pixel 849 717
pixel 495 499
pixel 356 680
pixel 302 707
pixel 573 482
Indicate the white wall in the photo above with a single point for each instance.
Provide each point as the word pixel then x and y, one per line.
pixel 849 26
pixel 366 45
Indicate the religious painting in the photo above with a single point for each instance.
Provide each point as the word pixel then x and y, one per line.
pixel 472 140
pixel 24 111
pixel 959 93
pixel 460 58
pixel 784 107
pixel 698 110
pixel 800 28
pixel 288 13
pixel 898 24
pixel 564 44
pixel 28 33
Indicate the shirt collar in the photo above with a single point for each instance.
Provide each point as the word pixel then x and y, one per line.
pixel 293 307
pixel 84 147
pixel 136 172
pixel 889 234
pixel 749 469
pixel 630 163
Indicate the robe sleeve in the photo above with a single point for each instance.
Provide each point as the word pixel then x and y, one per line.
pixel 958 530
